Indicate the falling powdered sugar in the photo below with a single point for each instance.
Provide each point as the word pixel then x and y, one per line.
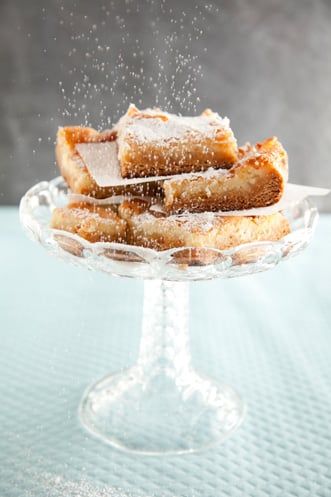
pixel 111 63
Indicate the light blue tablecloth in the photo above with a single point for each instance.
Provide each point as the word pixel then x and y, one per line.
pixel 268 335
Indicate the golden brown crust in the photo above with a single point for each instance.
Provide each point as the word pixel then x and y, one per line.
pixel 75 172
pixel 94 223
pixel 154 143
pixel 257 180
pixel 199 230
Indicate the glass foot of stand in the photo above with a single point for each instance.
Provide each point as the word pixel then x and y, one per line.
pixel 162 405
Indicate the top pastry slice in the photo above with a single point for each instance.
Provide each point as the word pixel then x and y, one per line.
pixel 155 143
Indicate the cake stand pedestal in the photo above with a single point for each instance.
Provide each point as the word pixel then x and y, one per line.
pixel 161 405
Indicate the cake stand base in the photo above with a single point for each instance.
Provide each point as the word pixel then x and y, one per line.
pixel 162 405
pixel 160 415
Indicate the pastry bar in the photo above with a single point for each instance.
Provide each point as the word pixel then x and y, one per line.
pixel 155 143
pixel 258 179
pixel 75 171
pixel 206 229
pixel 94 223
pixel 136 224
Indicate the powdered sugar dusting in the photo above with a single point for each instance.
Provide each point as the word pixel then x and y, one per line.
pixel 209 173
pixel 204 221
pixel 154 126
pixel 58 486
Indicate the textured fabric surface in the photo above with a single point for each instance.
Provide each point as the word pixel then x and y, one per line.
pixel 268 335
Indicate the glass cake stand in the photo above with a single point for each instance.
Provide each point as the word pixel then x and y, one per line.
pixel 161 404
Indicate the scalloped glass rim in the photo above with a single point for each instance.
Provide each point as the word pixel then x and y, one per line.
pixel 178 264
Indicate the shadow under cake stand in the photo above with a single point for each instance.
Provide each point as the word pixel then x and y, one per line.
pixel 161 404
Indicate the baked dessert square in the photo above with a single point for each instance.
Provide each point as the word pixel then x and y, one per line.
pixel 256 180
pixel 92 222
pixel 74 170
pixel 155 143
pixel 200 230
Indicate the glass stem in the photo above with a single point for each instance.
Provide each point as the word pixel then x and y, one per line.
pixel 164 347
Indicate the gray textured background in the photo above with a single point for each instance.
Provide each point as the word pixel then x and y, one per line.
pixel 265 64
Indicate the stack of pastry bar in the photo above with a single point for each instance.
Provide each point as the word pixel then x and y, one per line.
pixel 182 174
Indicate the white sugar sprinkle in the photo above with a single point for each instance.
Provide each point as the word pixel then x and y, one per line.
pixel 152 125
